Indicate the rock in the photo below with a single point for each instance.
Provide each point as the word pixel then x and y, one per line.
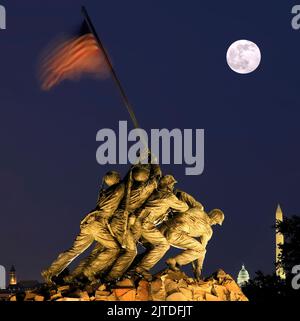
pixel 205 286
pixel 157 290
pixel 211 297
pixel 39 298
pixel 170 286
pixel 102 287
pixel 55 296
pixel 178 275
pixel 29 296
pixel 220 276
pixel 187 293
pixel 177 296
pixel 156 285
pixel 64 288
pixel 234 290
pixel 242 297
pixel 101 298
pixel 69 299
pixel 111 297
pixel 231 286
pixel 190 280
pixel 128 296
pixel 84 296
pixel 143 291
pixel 102 293
pixel 125 283
pixel 183 283
pixel 120 292
pixel 221 292
pixel 198 294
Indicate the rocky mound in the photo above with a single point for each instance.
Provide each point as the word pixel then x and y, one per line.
pixel 166 286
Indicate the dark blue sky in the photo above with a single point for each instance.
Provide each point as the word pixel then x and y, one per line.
pixel 170 57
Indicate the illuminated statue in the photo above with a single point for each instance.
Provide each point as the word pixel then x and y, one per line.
pixel 143 207
pixel 144 182
pixel 94 227
pixel 154 212
pixel 182 230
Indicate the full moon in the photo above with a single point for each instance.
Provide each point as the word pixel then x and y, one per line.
pixel 243 56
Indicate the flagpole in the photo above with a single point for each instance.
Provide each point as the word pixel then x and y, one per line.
pixel 129 109
pixel 115 77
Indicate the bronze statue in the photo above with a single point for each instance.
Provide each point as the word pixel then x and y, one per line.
pixel 182 230
pixel 144 182
pixel 143 207
pixel 94 228
pixel 142 188
pixel 153 212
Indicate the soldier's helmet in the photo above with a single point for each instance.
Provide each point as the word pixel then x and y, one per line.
pixel 167 180
pixel 217 216
pixel 111 178
pixel 140 173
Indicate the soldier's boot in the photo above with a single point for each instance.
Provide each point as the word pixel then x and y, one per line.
pixel 130 274
pixel 111 282
pixel 90 276
pixel 47 276
pixel 173 264
pixel 144 273
pixel 69 279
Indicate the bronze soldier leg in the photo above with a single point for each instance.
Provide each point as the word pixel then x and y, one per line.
pixel 88 234
pixel 108 254
pixel 81 243
pixel 160 247
pixel 125 260
pixel 87 261
pixel 193 248
pixel 130 251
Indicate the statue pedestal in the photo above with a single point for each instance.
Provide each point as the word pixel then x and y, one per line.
pixel 166 286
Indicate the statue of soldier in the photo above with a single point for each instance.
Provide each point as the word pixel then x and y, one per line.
pixel 154 212
pixel 94 227
pixel 144 182
pixel 182 230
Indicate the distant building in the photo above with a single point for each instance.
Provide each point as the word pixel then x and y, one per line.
pixel 20 286
pixel 15 287
pixel 243 276
pixel 12 276
pixel 2 277
pixel 28 285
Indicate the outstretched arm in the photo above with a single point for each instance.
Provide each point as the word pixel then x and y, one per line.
pixel 177 205
pixel 189 199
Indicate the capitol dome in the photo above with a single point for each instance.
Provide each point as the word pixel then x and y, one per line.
pixel 243 276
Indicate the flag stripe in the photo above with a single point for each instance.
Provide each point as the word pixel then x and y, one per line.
pixel 62 64
pixel 57 74
pixel 71 59
pixel 68 50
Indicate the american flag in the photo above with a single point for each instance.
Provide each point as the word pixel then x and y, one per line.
pixel 71 59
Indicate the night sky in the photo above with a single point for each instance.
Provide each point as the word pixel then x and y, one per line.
pixel 170 57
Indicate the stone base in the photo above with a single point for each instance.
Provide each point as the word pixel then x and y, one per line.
pixel 166 286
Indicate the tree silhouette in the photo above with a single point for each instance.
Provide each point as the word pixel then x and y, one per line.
pixel 271 287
